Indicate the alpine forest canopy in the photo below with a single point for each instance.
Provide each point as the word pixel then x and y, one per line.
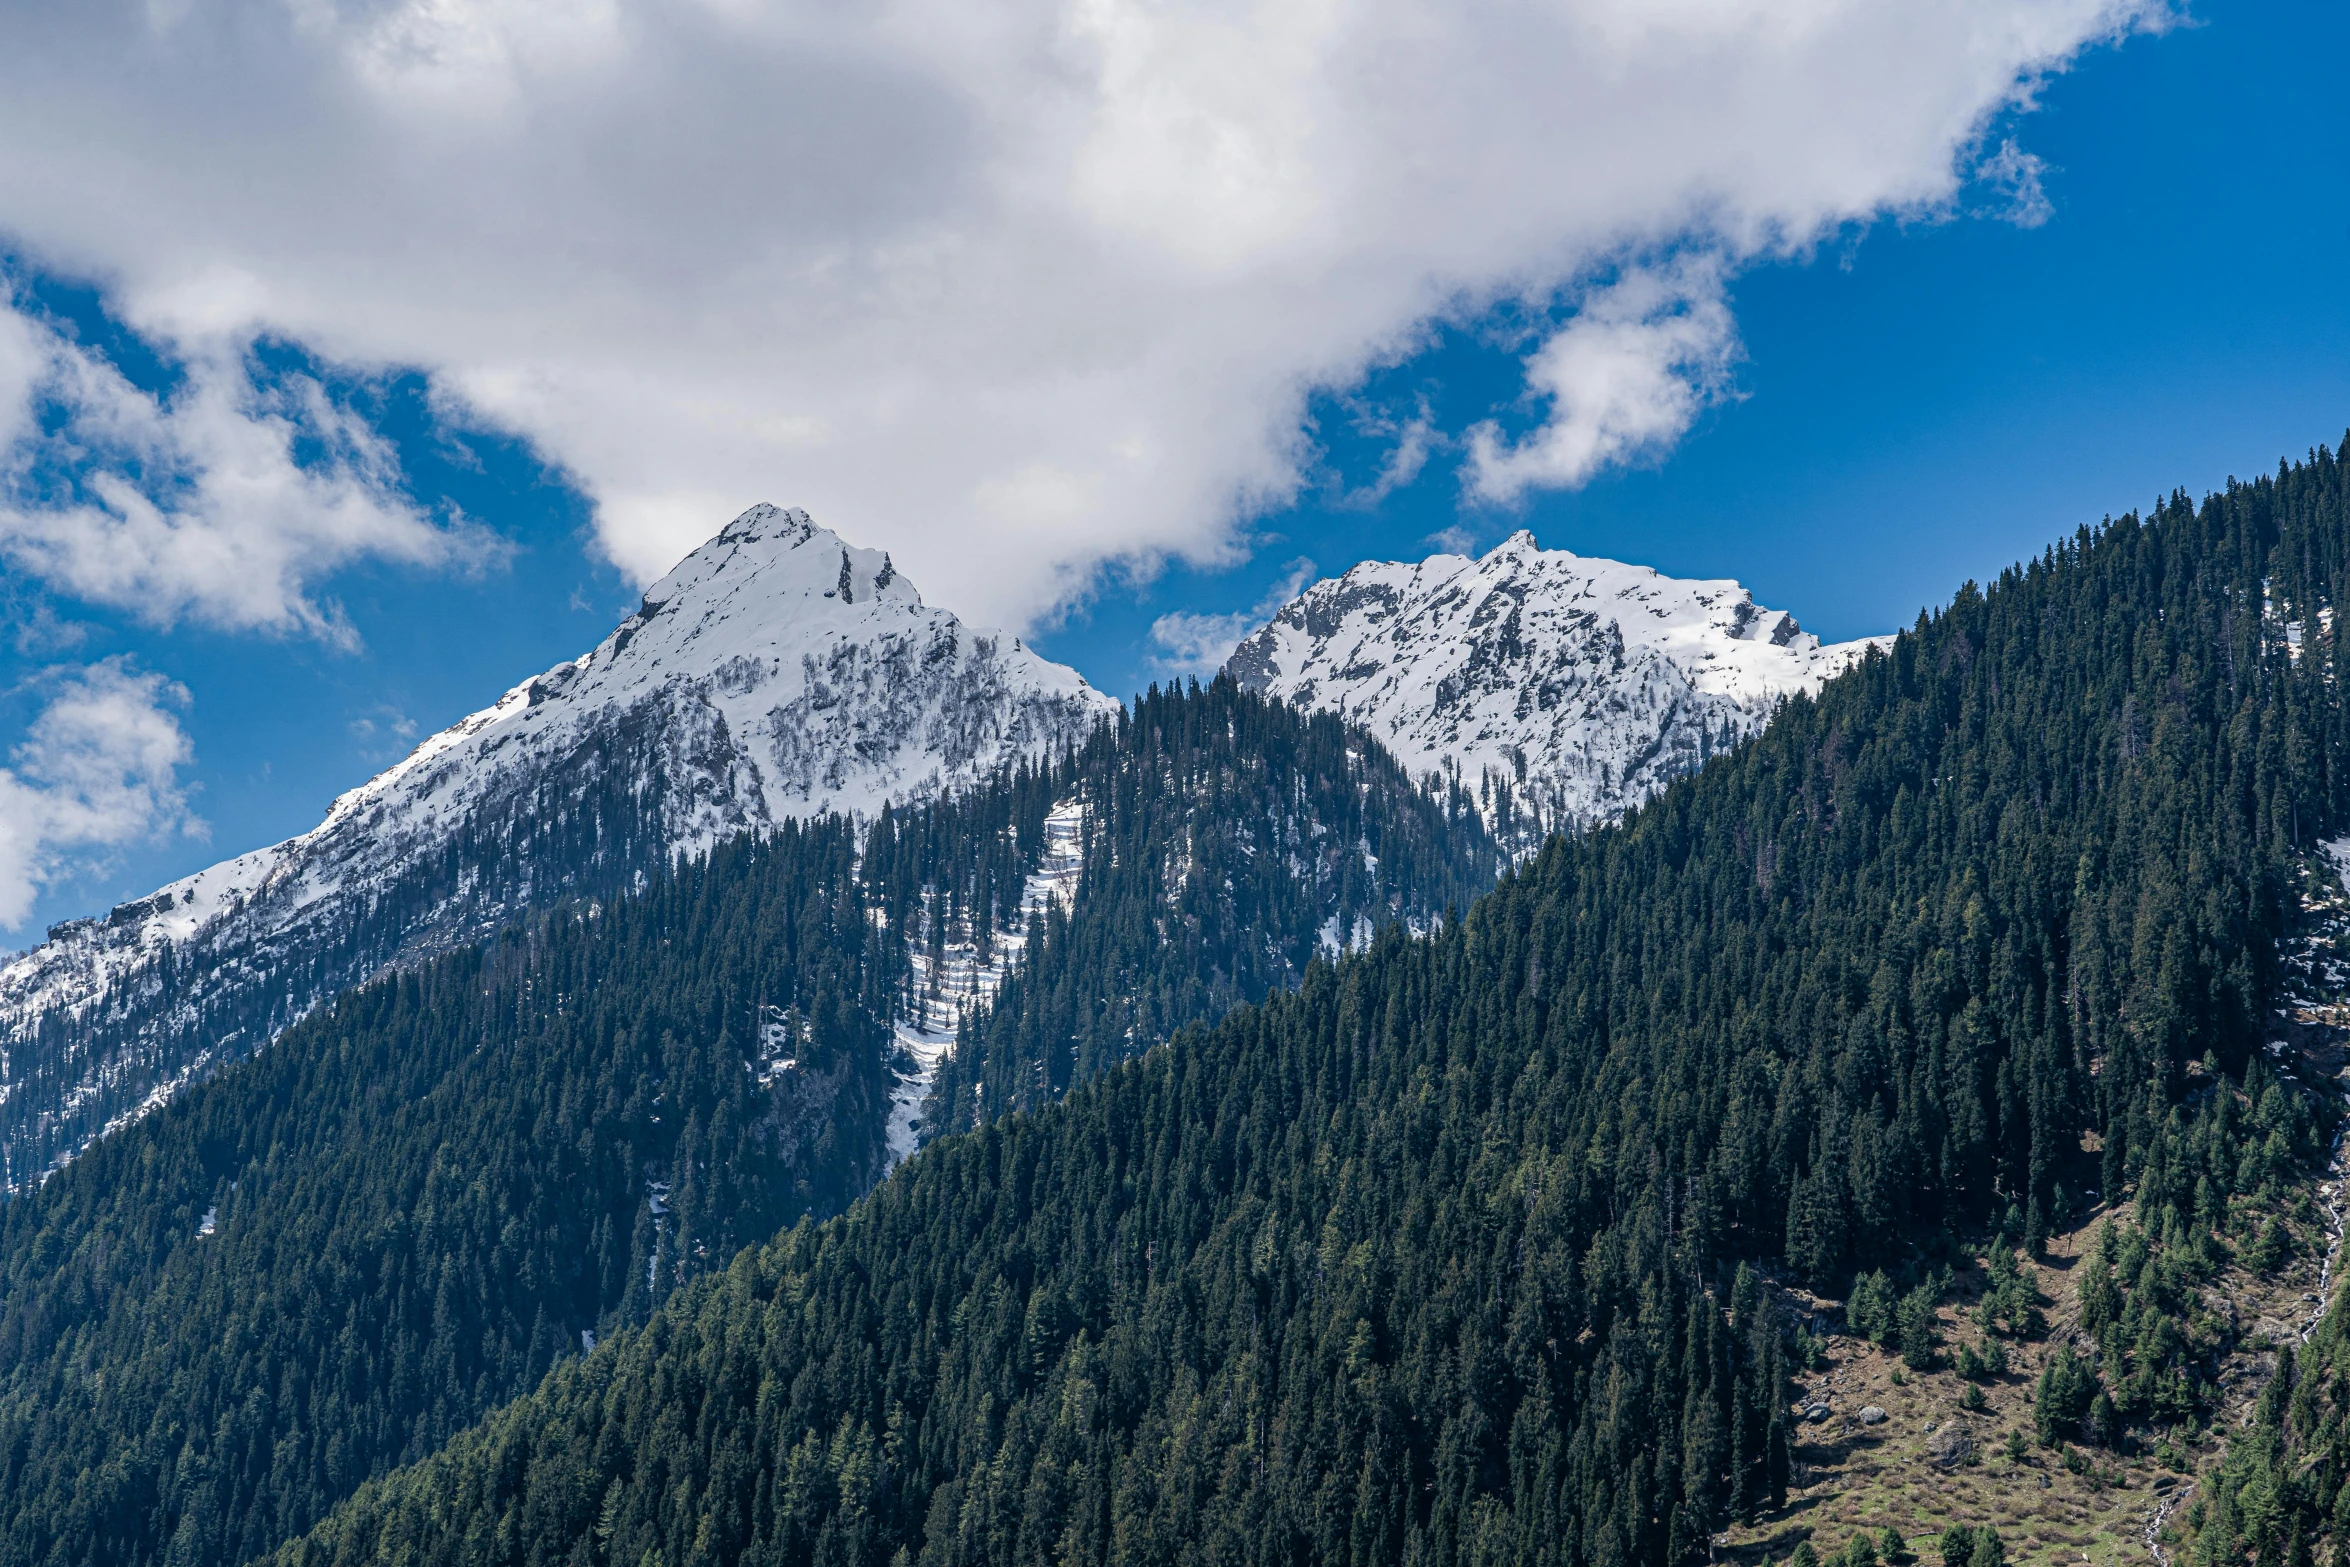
pixel 337 1255
pixel 1228 839
pixel 1460 1252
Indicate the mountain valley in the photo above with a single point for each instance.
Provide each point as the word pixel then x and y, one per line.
pixel 1537 1063
pixel 1540 1237
pixel 330 1258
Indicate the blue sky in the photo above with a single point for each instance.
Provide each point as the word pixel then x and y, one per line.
pixel 1928 403
pixel 1914 403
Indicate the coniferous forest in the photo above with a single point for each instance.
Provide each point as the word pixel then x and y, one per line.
pixel 1460 1251
pixel 332 1258
pixel 1471 1244
pixel 340 1254
pixel 1230 840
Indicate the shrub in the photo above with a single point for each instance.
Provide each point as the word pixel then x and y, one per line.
pixel 1915 1324
pixel 2011 1302
pixel 1965 1547
pixel 2268 1248
pixel 1981 1363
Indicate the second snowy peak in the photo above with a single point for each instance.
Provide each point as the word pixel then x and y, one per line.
pixel 1568 687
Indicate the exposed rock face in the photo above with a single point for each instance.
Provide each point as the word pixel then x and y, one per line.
pixel 777 672
pixel 1569 687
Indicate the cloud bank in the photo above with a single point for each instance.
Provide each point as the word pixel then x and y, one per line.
pixel 98 770
pixel 1017 289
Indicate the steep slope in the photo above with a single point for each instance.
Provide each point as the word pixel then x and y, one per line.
pixel 324 1260
pixel 1452 1254
pixel 217 1321
pixel 1221 843
pixel 2281 1490
pixel 777 673
pixel 1563 689
pixel 955 982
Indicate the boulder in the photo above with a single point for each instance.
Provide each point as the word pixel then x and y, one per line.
pixel 1950 1446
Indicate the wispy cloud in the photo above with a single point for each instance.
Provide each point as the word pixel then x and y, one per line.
pixel 98 770
pixel 1189 643
pixel 43 633
pixel 1412 441
pixel 384 733
pixel 2015 178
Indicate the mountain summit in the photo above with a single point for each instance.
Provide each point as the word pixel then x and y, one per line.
pixel 796 673
pixel 1585 685
pixel 777 672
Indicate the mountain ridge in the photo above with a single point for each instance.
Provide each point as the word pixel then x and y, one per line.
pixel 777 672
pixel 492 1159
pixel 1478 1247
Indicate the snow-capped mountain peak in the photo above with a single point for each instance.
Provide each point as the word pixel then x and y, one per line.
pixel 792 637
pixel 777 672
pixel 1587 684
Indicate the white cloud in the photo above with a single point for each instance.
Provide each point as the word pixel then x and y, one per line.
pixel 98 770
pixel 1017 289
pixel 41 631
pixel 2015 175
pixel 1415 440
pixel 383 734
pixel 1623 378
pixel 193 505
pixel 1190 643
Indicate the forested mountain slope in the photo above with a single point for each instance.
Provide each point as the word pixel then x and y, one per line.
pixel 329 1259
pixel 1439 1259
pixel 2283 1494
pixel 338 1254
pixel 776 674
pixel 2103 1401
pixel 1226 840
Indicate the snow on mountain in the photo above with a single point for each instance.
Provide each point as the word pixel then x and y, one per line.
pixel 951 986
pixel 776 673
pixel 1586 684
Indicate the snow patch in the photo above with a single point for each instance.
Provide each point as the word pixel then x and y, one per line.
pixel 2337 853
pixel 960 983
